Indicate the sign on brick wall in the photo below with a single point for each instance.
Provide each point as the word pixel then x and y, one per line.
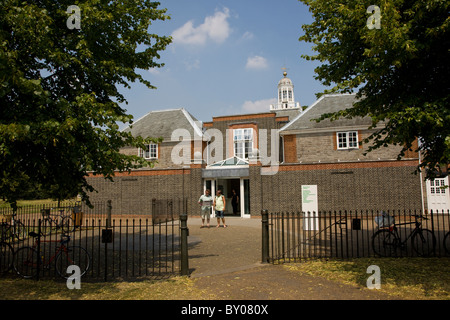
pixel 310 207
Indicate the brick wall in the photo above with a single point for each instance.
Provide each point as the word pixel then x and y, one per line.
pixel 133 193
pixel 290 149
pixel 165 150
pixel 378 185
pixel 266 121
pixel 381 185
pixel 313 147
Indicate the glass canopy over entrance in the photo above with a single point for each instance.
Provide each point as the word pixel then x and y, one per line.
pixel 233 161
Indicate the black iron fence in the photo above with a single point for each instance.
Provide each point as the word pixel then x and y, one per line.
pixel 294 236
pixel 115 248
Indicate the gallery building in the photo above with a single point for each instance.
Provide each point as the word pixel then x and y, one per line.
pixel 269 159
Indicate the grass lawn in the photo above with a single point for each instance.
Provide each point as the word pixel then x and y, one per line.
pixel 176 288
pixel 405 278
pixel 20 203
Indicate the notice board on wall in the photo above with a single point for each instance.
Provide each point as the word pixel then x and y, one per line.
pixel 310 207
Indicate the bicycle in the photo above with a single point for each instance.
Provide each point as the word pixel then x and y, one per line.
pixel 15 229
pixel 28 260
pixel 386 241
pixel 6 254
pixel 57 221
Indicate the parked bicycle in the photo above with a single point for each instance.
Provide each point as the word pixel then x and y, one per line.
pixel 28 260
pixel 57 221
pixel 6 253
pixel 13 230
pixel 387 242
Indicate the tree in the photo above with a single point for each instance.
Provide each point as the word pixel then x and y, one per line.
pixel 399 69
pixel 60 73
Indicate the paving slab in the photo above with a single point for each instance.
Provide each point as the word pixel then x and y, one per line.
pixel 226 263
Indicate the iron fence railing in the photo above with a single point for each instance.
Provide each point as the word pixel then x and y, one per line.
pixel 292 236
pixel 118 248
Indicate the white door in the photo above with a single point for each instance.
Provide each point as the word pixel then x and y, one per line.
pixel 438 197
pixel 211 185
pixel 244 198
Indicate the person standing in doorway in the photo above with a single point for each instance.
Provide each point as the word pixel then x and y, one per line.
pixel 234 201
pixel 219 207
pixel 206 201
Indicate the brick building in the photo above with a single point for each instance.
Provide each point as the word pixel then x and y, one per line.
pixel 266 158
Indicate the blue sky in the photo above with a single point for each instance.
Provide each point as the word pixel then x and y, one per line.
pixel 226 58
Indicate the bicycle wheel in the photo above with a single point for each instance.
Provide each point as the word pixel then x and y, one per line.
pixel 26 262
pixel 385 243
pixel 424 242
pixel 447 243
pixel 20 232
pixel 6 257
pixel 74 255
pixel 67 225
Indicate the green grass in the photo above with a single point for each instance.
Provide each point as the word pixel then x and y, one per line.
pixel 20 203
pixel 404 278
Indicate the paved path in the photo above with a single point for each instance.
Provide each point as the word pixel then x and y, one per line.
pixel 226 263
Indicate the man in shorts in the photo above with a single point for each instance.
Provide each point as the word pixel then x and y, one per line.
pixel 206 201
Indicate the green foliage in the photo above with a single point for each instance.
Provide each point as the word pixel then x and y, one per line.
pixel 59 93
pixel 399 71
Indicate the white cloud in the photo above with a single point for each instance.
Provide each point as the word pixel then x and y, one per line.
pixel 154 71
pixel 256 62
pixel 215 28
pixel 247 35
pixel 191 65
pixel 258 106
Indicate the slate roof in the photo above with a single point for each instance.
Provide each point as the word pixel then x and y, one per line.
pixel 291 113
pixel 162 123
pixel 326 104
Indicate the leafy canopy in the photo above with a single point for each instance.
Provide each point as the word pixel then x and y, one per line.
pixel 59 96
pixel 399 71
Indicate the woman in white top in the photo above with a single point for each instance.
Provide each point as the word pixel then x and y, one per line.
pixel 219 207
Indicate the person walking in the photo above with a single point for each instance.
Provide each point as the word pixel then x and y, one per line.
pixel 219 207
pixel 205 201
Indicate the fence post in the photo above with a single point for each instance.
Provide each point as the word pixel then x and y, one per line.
pixel 108 213
pixel 265 235
pixel 184 245
pixel 39 259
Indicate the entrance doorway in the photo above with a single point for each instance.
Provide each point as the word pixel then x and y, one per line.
pixel 240 186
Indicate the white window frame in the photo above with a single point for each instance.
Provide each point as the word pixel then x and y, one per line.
pixel 243 142
pixel 437 186
pixel 347 140
pixel 151 153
